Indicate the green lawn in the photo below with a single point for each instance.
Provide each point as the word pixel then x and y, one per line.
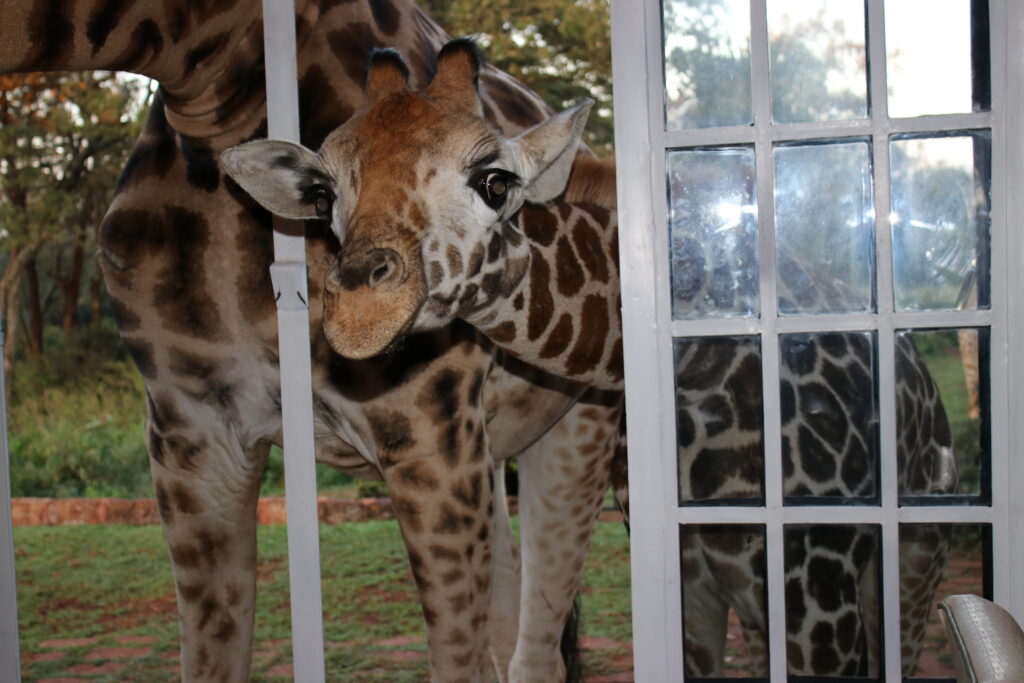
pixel 111 585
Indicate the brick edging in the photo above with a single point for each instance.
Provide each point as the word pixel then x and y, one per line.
pixel 76 511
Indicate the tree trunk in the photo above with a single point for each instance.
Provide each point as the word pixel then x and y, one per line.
pixel 35 308
pixel 95 297
pixel 71 286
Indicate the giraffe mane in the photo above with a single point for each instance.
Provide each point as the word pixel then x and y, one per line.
pixel 592 181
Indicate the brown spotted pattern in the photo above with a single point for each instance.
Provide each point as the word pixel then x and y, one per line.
pixel 185 254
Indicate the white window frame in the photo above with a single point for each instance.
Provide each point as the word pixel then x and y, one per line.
pixel 641 143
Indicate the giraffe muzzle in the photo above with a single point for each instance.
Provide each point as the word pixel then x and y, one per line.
pixel 370 298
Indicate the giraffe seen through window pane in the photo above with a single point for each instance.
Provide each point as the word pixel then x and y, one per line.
pixel 967 549
pixel 719 420
pixel 829 405
pixel 824 227
pixel 941 412
pixel 713 233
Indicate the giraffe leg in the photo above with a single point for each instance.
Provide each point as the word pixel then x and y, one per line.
pixel 562 479
pixel 923 549
pixel 207 500
pixel 705 613
pixel 504 615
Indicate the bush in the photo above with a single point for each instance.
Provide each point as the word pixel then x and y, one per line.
pixel 77 420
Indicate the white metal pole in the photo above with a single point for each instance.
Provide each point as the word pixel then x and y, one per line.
pixel 10 669
pixel 288 274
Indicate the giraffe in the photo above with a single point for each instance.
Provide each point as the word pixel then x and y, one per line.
pixel 184 254
pixel 518 237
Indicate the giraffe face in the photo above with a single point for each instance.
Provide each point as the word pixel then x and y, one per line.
pixel 420 190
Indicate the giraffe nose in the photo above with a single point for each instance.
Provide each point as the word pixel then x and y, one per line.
pixel 378 268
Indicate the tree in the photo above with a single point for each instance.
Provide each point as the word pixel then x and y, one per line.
pixel 63 141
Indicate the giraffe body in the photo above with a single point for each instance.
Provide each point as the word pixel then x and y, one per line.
pixel 521 250
pixel 185 255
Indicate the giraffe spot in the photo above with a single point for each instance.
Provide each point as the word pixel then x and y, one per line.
pixel 475 387
pixel 568 273
pixel 717 414
pixel 838 538
pixel 186 364
pixel 450 521
pixel 469 492
pixel 184 501
pixel 699 658
pixel 707 367
pixel 856 469
pixel 476 261
pixel 142 354
pixel 410 514
pixel 847 629
pixel 213 547
pixel 713 468
pixel 452 577
pixel 816 461
pixel 593 334
pixel 454 260
pixel 829 584
pixel 457 637
pixel 542 304
pixel 515 105
pixel 600 214
pixel 190 593
pixel 686 430
pixel 103 20
pixel 163 503
pixel 823 413
pixel 539 224
pixel 588 245
pixel 559 339
pixel 799 354
pixel 319 106
pixel 182 293
pixel 495 247
pixel 615 367
pixel 744 388
pixel 435 274
pixel 391 430
pixel 352 47
pixel 51 34
pixel 440 397
pixel 518 302
pixel 444 553
pixel 794 655
pixel 796 609
pixel 416 475
pixel 386 16
pixel 185 555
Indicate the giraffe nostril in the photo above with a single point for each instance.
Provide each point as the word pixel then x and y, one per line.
pixel 386 268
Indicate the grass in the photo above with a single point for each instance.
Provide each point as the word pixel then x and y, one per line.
pixel 114 583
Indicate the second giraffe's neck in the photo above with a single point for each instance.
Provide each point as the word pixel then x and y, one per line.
pixel 564 315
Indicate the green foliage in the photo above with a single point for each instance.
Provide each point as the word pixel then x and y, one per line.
pixel 329 481
pixel 76 420
pixel 561 49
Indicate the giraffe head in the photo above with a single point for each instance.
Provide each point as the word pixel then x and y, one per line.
pixel 420 190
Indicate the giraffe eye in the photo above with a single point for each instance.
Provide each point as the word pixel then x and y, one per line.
pixel 321 198
pixel 493 185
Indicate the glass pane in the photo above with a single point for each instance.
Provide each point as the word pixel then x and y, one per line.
pixel 829 417
pixel 713 232
pixel 825 225
pixel 936 561
pixel 832 599
pixel 719 419
pixel 817 60
pixel 940 222
pixel 940 375
pixel 923 41
pixel 707 63
pixel 724 607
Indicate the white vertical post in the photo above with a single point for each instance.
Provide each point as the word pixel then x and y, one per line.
pixel 289 279
pixel 10 669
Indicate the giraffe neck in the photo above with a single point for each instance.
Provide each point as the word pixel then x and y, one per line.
pixel 563 315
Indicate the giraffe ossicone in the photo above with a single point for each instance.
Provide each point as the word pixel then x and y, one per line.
pixel 421 190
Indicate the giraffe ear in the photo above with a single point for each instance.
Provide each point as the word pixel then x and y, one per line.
pixel 458 67
pixel 547 151
pixel 282 176
pixel 388 74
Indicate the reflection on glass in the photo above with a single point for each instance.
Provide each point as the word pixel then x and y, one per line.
pixel 713 232
pixel 825 224
pixel 936 561
pixel 940 222
pixel 817 60
pixel 719 419
pixel 724 605
pixel 832 599
pixel 924 41
pixel 939 404
pixel 829 405
pixel 707 63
